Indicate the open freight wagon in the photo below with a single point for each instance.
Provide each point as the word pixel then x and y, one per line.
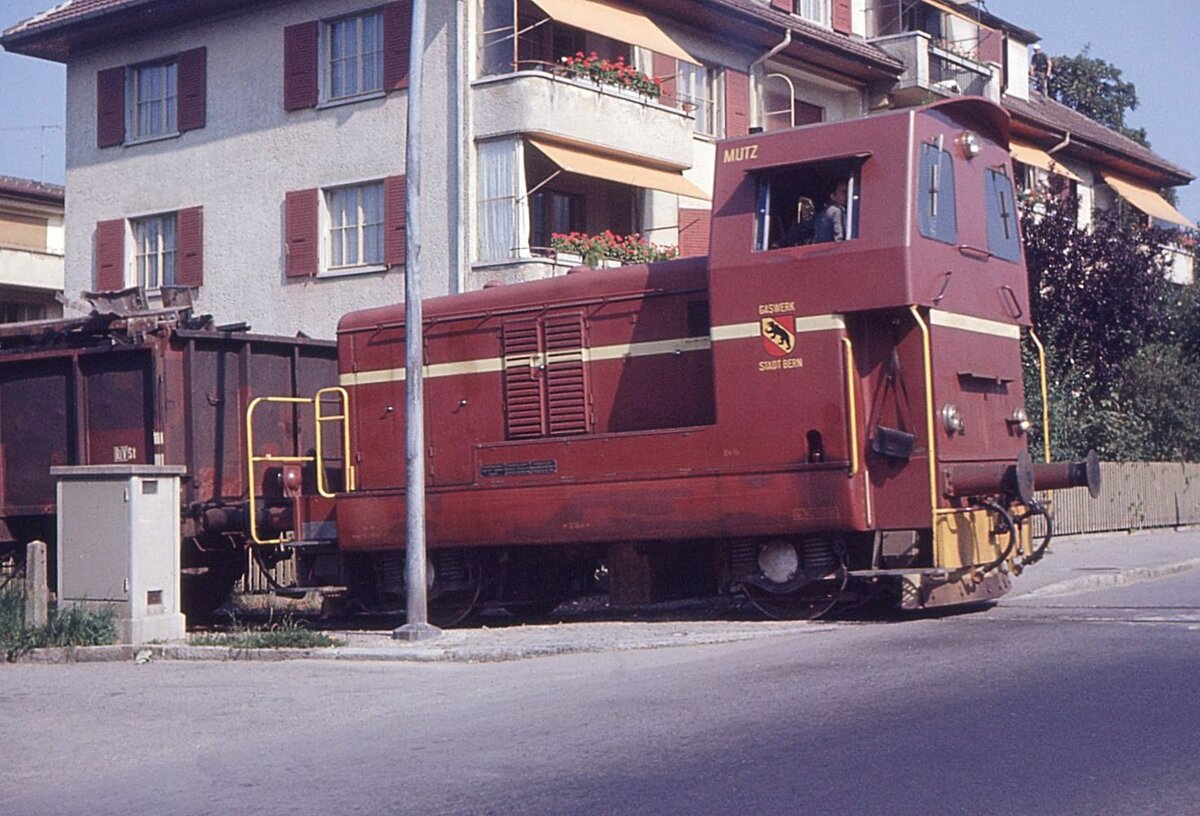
pixel 133 386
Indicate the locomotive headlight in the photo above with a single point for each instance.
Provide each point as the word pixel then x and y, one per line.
pixel 952 419
pixel 1021 420
pixel 969 143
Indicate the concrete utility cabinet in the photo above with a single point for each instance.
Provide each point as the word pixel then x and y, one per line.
pixel 118 545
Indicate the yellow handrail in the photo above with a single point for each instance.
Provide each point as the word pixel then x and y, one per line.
pixel 318 458
pixel 321 419
pixel 929 421
pixel 851 406
pixel 1045 393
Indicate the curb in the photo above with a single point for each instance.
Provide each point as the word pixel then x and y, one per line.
pixel 428 653
pixel 1127 577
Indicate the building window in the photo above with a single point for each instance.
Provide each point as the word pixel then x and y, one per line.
pixel 154 250
pixel 697 86
pixel 503 218
pixel 12 312
pixel 354 47
pixel 552 212
pixel 355 225
pixel 937 215
pixel 154 96
pixel 815 11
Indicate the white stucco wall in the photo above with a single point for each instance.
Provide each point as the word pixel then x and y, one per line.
pixel 249 154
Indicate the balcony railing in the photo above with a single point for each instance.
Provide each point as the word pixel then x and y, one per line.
pixel 933 68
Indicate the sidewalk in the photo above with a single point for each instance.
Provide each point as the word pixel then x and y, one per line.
pixel 1075 564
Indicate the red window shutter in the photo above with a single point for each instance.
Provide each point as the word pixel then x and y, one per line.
pixel 110 107
pixel 110 255
pixel 397 33
pixel 300 66
pixel 991 46
pixel 665 71
pixel 301 224
pixel 842 21
pixel 192 90
pixel 191 247
pixel 782 5
pixel 693 231
pixel 737 103
pixel 393 219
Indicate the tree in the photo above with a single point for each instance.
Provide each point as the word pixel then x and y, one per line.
pixel 1095 88
pixel 1123 347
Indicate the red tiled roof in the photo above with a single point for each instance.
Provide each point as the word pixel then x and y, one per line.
pixel 31 190
pixel 1040 112
pixel 66 12
pixel 53 34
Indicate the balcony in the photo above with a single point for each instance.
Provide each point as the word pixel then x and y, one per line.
pixel 933 70
pixel 582 111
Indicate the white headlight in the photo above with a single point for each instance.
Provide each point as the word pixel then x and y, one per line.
pixel 952 419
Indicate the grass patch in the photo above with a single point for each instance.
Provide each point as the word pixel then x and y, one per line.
pixel 67 627
pixel 286 633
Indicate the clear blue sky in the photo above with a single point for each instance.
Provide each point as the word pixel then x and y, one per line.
pixel 1155 42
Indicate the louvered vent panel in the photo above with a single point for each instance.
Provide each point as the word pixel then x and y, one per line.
pixel 523 384
pixel 566 385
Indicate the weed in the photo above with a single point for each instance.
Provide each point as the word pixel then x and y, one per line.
pixel 66 627
pixel 282 634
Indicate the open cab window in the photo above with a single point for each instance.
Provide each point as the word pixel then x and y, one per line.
pixel 811 203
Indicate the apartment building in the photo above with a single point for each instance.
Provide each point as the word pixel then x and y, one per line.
pixel 255 150
pixel 31 250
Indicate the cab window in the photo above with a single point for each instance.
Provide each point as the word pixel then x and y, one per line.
pixel 1003 236
pixel 812 203
pixel 937 216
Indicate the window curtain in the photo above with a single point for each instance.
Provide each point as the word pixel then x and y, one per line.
pixel 503 205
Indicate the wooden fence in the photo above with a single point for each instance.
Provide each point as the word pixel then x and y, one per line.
pixel 1133 496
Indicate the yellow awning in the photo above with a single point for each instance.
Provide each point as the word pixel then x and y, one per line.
pixel 618 169
pixel 1148 201
pixel 619 23
pixel 1036 157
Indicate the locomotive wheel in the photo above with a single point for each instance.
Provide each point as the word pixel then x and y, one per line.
pixel 456 579
pixel 812 602
pixel 454 606
pixel 797 580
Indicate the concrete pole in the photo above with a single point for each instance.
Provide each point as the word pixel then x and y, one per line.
pixel 417 626
pixel 37 592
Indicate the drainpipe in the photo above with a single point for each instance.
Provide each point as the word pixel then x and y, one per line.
pixel 787 40
pixel 1065 141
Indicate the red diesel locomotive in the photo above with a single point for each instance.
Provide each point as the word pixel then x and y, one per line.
pixel 804 420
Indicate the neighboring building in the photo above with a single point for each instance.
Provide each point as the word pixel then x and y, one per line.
pixel 255 151
pixel 31 250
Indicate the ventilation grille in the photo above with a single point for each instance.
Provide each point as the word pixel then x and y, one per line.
pixel 566 389
pixel 523 384
pixel 545 379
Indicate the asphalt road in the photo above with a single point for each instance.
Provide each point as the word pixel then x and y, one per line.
pixel 1077 704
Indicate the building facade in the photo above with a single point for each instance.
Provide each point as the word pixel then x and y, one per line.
pixel 31 250
pixel 255 151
